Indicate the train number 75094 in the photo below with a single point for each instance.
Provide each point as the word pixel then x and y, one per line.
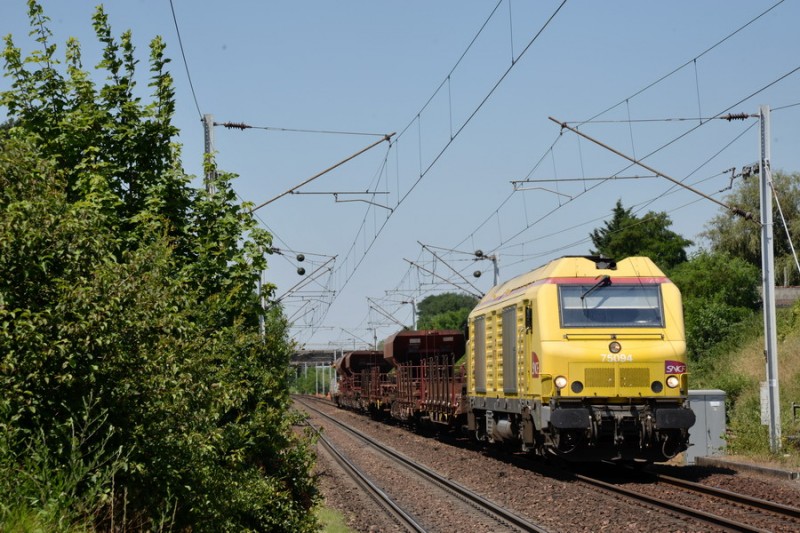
pixel 616 358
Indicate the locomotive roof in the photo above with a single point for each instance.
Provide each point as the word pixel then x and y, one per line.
pixel 572 267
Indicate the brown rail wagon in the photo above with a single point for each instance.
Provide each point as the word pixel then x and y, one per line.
pixel 429 386
pixel 361 374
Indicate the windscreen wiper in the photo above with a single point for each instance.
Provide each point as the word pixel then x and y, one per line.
pixel 604 281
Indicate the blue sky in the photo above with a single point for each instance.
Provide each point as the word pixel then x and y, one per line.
pixel 469 120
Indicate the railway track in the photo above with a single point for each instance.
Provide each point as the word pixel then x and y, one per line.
pixel 499 515
pixel 784 511
pixel 396 514
pixel 725 509
pixel 640 499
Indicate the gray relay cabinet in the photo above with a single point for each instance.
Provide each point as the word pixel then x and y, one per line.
pixel 707 436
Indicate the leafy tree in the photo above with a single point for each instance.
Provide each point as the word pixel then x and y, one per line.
pixel 627 235
pixel 445 311
pixel 311 380
pixel 719 292
pixel 134 383
pixel 719 277
pixel 742 238
pixel 709 322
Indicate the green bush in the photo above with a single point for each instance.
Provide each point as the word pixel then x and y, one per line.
pixel 708 323
pixel 747 435
pixel 720 293
pixel 135 388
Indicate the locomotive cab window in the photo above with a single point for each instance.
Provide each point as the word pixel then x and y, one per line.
pixel 585 306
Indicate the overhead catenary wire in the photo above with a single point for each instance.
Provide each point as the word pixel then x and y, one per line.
pixel 374 305
pixel 448 266
pixel 482 102
pixel 785 226
pixel 185 63
pixel 311 277
pixel 733 209
pixel 730 117
pixel 719 115
pixel 450 73
pixel 691 61
pixel 495 211
pixel 786 106
pixel 635 208
pixel 561 231
pixel 286 247
pixel 652 84
pixel 244 126
pixel 434 274
pixel 701 165
pixel 386 137
pixel 424 172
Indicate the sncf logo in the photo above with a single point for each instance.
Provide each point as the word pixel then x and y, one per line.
pixel 674 367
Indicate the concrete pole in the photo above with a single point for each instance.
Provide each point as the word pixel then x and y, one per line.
pixel 208 134
pixel 263 303
pixel 768 273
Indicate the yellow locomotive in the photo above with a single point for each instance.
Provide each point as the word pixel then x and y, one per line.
pixel 583 358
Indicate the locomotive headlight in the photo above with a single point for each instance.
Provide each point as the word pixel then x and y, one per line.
pixel 673 381
pixel 614 347
pixel 560 382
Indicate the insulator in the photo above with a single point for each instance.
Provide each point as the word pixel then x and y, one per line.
pixel 737 116
pixel 236 125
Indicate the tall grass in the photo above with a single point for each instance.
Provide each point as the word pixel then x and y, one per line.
pixel 57 481
pixel 738 366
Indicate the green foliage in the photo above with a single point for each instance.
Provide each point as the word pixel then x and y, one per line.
pixel 332 521
pixel 135 387
pixel 725 339
pixel 627 235
pixel 709 322
pixel 735 385
pixel 719 277
pixel 736 366
pixel 310 380
pixel 719 293
pixel 445 311
pixel 50 479
pixel 747 435
pixel 742 238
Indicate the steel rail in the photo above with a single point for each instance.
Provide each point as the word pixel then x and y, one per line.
pixel 395 511
pixel 484 505
pixel 758 503
pixel 709 518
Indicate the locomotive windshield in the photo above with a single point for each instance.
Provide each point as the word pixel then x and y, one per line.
pixel 593 305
